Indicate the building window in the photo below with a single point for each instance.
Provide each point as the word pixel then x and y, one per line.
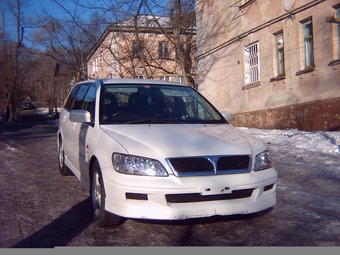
pixel 94 67
pixel 136 49
pixel 308 43
pixel 280 54
pixel 252 63
pixel 163 50
pixel 164 78
pixel 101 59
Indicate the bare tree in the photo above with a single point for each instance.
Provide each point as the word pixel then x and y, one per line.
pixel 11 51
pixel 68 41
pixel 137 35
pixel 180 32
pixel 130 49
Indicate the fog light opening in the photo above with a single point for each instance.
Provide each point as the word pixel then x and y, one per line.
pixel 136 196
pixel 268 187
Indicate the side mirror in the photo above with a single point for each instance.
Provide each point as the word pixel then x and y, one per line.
pixel 227 115
pixel 80 116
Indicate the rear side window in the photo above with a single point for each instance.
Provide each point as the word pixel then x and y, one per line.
pixel 90 101
pixel 70 99
pixel 79 97
pixel 75 100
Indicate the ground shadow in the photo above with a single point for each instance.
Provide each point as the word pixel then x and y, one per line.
pixel 62 230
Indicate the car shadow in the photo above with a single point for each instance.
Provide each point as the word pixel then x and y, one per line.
pixel 62 230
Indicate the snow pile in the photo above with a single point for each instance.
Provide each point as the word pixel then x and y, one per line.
pixel 326 142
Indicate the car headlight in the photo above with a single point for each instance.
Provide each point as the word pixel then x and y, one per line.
pixel 263 161
pixel 128 164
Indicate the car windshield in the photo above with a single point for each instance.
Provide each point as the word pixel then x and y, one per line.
pixel 137 104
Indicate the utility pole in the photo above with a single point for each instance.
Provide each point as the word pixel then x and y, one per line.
pixel 56 73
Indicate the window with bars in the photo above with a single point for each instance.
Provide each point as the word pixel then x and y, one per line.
pixel 308 43
pixel 163 50
pixel 252 63
pixel 136 49
pixel 280 54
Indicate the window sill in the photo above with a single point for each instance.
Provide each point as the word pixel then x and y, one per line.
pixel 278 78
pixel 246 4
pixel 334 62
pixel 306 70
pixel 251 85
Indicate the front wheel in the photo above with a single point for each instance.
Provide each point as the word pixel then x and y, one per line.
pixel 101 217
pixel 63 169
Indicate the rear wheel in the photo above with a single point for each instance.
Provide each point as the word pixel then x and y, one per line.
pixel 101 217
pixel 63 169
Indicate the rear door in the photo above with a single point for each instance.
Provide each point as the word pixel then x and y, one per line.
pixel 73 138
pixel 65 123
pixel 80 135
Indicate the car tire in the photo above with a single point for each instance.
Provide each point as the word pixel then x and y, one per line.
pixel 63 169
pixel 97 192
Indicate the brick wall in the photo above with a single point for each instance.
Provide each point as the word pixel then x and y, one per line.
pixel 315 116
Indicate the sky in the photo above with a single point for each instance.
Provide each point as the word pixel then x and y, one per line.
pixel 32 8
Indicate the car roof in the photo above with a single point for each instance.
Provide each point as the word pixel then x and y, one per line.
pixel 133 81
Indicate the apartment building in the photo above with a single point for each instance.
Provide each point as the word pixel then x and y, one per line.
pixel 273 64
pixel 140 48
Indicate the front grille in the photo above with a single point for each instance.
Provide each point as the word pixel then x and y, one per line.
pixel 185 165
pixel 191 166
pixel 233 162
pixel 197 197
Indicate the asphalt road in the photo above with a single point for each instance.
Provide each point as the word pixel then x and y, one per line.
pixel 39 208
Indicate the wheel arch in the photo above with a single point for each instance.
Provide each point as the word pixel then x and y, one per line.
pixel 59 138
pixel 92 161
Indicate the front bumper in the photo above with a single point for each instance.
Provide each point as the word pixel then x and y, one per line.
pixel 173 198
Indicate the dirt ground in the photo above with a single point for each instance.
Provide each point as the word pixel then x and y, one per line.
pixel 39 208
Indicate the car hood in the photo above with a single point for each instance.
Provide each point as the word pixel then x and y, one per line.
pixel 168 140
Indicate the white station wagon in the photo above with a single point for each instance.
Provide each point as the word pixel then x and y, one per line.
pixel 148 149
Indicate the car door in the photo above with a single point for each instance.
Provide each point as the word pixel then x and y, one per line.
pixel 65 123
pixel 84 130
pixel 74 138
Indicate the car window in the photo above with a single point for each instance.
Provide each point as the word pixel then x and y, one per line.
pixel 138 103
pixel 90 101
pixel 78 101
pixel 70 98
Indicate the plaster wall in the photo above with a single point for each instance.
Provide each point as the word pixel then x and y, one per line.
pixel 234 25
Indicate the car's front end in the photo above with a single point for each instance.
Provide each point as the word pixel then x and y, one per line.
pixel 189 171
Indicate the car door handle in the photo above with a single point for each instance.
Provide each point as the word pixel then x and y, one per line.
pixel 74 125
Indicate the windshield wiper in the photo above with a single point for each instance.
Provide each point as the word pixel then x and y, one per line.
pixel 213 121
pixel 152 120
